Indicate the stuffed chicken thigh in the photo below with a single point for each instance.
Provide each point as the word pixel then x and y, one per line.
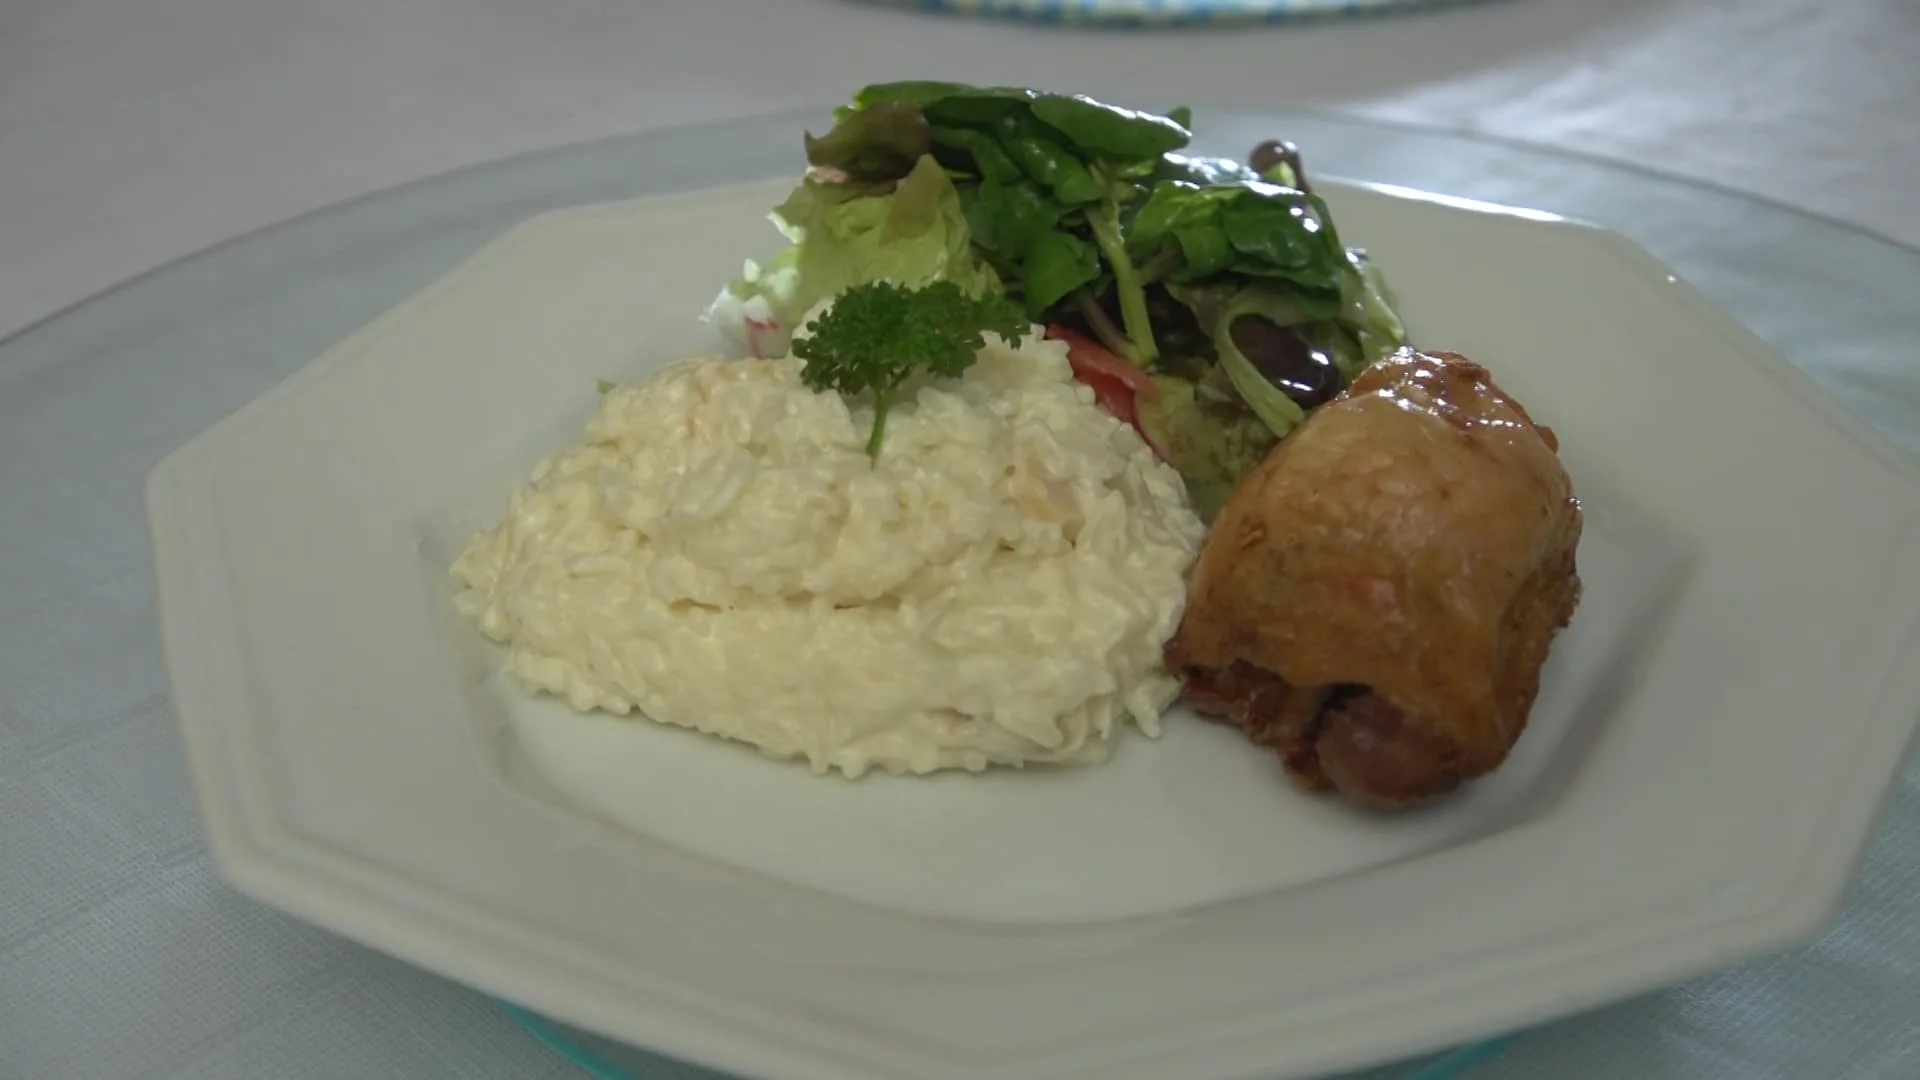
pixel 1377 598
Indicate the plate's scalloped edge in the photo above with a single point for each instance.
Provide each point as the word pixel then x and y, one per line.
pixel 297 874
pixel 290 871
pixel 229 822
pixel 1750 345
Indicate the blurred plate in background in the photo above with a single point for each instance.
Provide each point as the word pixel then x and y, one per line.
pixel 1171 12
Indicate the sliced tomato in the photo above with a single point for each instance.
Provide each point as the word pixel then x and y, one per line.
pixel 1111 395
pixel 1117 385
pixel 1089 356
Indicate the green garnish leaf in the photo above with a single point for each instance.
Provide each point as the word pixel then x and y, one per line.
pixel 878 334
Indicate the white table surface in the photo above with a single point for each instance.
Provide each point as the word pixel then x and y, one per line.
pixel 136 131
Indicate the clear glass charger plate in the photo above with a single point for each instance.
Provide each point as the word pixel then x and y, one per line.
pixel 89 399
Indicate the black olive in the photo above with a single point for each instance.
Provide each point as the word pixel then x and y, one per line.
pixel 1278 152
pixel 1304 373
pixel 1175 329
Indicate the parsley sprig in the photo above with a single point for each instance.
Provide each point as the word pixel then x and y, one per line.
pixel 877 334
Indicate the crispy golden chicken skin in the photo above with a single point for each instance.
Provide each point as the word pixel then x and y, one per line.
pixel 1377 597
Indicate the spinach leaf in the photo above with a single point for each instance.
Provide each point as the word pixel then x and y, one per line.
pixel 1205 250
pixel 950 103
pixel 913 92
pixel 977 107
pixel 1108 130
pixel 1153 222
pixel 1103 220
pixel 1256 230
pixel 1057 265
pixel 983 156
pixel 1044 159
pixel 1203 171
pixel 1015 215
pixel 1189 224
pixel 1313 278
pixel 1276 231
pixel 880 143
pixel 1218 303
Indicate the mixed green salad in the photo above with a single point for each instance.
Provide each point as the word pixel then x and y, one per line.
pixel 1207 301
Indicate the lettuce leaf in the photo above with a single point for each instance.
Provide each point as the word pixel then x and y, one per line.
pixel 1370 312
pixel 1211 445
pixel 849 234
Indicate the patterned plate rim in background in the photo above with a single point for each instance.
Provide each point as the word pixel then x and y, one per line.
pixel 1161 13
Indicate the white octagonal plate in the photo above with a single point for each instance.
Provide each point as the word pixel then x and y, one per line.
pixel 1713 739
